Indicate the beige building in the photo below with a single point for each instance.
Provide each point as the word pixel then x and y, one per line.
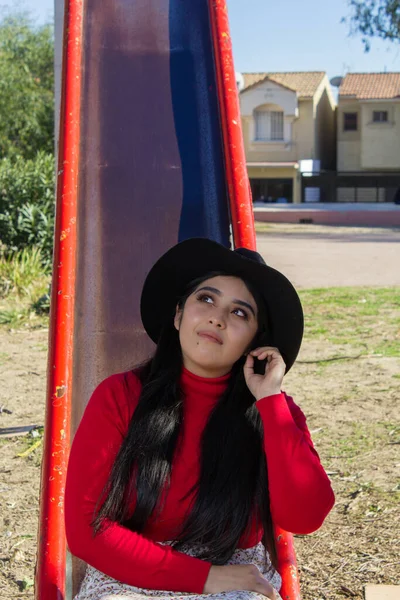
pixel 288 122
pixel 368 132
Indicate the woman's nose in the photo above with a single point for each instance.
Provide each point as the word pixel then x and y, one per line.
pixel 217 320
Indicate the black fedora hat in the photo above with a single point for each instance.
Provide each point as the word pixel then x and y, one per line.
pixel 168 279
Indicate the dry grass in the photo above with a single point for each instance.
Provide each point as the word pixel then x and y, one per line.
pixel 352 410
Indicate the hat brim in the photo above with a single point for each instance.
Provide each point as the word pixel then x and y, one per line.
pixel 167 280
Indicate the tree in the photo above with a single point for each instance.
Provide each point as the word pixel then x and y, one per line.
pixel 26 135
pixel 375 18
pixel 26 87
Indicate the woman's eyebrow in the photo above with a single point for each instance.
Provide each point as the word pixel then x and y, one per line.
pixel 246 304
pixel 235 300
pixel 210 289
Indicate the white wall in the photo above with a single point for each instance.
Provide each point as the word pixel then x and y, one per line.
pixel 268 93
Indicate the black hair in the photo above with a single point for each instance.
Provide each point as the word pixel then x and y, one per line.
pixel 233 484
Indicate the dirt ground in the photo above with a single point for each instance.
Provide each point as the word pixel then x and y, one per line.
pixel 326 256
pixel 352 410
pixel 23 385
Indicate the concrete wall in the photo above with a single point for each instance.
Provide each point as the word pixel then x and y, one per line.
pixel 380 147
pixel 359 217
pixel 268 93
pixel 259 151
pixel 374 146
pixel 348 142
pixel 304 131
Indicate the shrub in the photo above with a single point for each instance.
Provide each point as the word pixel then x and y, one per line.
pixel 27 203
pixel 22 274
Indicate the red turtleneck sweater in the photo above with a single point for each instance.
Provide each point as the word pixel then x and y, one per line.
pixel 300 492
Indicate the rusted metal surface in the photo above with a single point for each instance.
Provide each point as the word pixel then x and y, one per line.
pixel 50 571
pixel 130 184
pixel 151 171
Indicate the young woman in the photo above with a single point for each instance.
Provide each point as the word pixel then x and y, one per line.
pixel 180 467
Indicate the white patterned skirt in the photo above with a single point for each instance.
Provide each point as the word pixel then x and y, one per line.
pixel 98 586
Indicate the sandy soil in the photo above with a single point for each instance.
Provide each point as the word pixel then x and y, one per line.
pixel 352 410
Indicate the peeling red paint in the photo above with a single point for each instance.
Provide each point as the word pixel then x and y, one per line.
pixel 50 568
pixel 60 391
pixel 235 160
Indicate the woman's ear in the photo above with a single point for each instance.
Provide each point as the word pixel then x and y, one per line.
pixel 178 317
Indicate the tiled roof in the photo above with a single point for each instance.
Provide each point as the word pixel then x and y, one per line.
pixel 304 83
pixel 371 85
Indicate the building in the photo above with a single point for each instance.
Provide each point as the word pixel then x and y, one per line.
pixel 368 134
pixel 288 122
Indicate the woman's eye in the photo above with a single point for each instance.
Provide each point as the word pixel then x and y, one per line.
pixel 209 300
pixel 205 298
pixel 241 313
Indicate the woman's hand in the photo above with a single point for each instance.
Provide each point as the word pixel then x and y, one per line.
pixel 270 383
pixel 231 578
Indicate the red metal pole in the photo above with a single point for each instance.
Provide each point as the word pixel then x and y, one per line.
pixel 242 215
pixel 290 589
pixel 50 571
pixel 235 159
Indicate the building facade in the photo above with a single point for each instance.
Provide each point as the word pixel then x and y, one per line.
pixel 288 122
pixel 368 131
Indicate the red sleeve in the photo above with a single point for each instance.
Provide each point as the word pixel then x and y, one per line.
pixel 118 552
pixel 301 495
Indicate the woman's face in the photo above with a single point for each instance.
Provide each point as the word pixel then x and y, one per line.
pixel 216 326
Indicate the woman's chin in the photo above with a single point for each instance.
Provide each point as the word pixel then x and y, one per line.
pixel 208 363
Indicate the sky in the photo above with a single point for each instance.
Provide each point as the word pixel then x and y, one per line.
pixel 285 35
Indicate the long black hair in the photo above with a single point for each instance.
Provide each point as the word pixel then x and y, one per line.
pixel 233 484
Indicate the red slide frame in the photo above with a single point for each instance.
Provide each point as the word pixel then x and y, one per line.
pixel 50 569
pixel 242 215
pixel 50 572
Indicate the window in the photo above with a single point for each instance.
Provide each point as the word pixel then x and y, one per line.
pixel 272 190
pixel 276 125
pixel 269 125
pixel 350 121
pixel 262 125
pixel 380 116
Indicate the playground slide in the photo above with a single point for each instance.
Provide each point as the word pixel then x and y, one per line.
pixel 144 162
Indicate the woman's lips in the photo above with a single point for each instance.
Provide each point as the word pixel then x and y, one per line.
pixel 210 336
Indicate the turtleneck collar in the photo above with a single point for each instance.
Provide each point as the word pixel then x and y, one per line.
pixel 202 392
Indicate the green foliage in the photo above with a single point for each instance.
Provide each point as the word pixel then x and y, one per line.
pixel 26 135
pixel 24 288
pixel 375 18
pixel 27 176
pixel 26 87
pixel 27 203
pixel 22 274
